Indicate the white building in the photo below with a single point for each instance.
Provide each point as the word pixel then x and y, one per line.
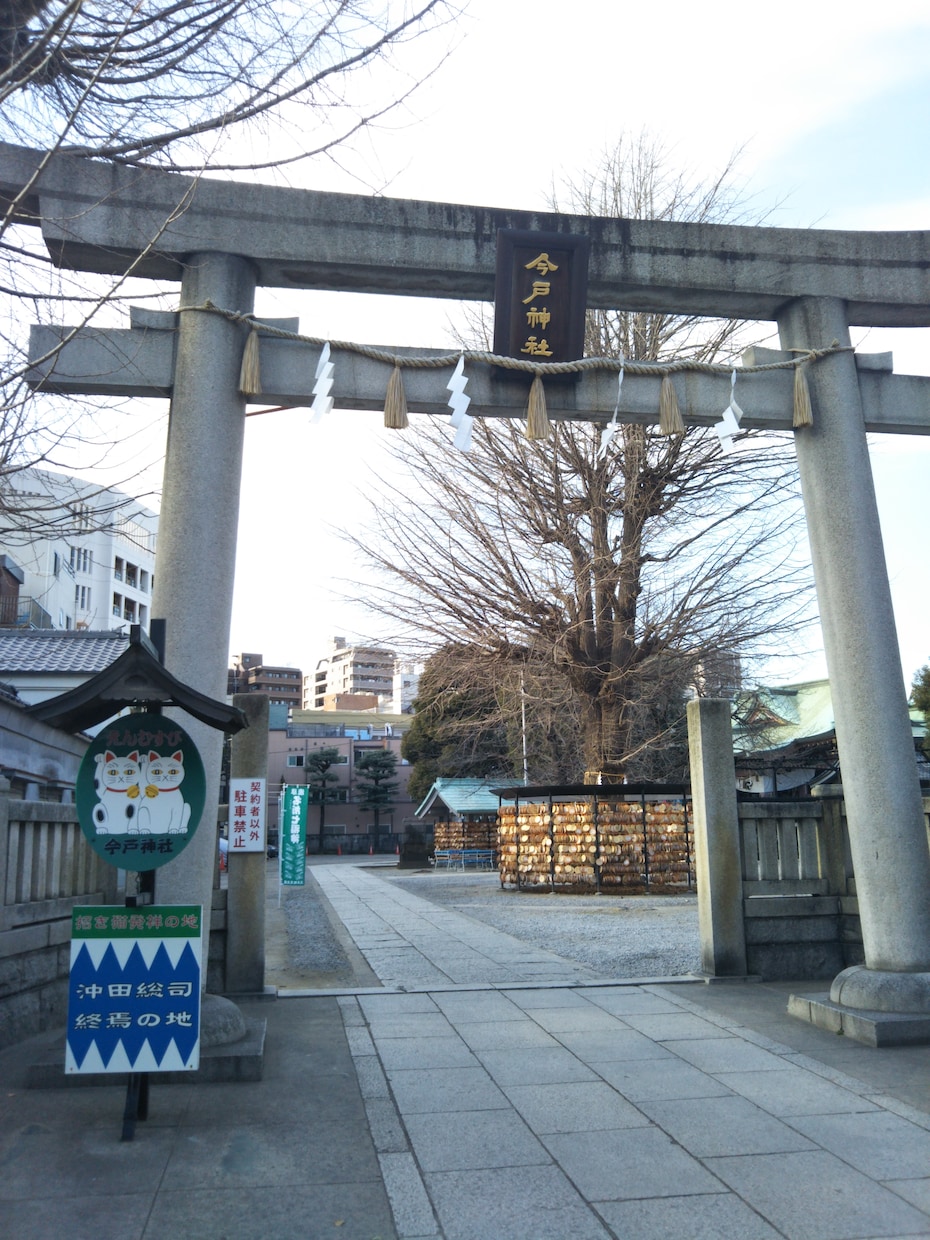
pixel 351 670
pixel 406 686
pixel 86 554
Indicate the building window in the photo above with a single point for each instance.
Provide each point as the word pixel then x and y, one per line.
pixel 295 759
pixel 143 581
pixel 117 605
pixel 129 610
pixel 118 568
pixel 131 575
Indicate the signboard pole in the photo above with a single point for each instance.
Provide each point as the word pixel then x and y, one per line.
pixel 137 1103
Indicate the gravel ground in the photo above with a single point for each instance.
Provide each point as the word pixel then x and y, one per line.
pixel 618 936
pixel 314 953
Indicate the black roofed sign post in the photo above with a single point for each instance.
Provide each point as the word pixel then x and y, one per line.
pixel 814 284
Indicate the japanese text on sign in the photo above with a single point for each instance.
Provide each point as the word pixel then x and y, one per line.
pixel 134 989
pixel 540 295
pixel 293 836
pixel 246 815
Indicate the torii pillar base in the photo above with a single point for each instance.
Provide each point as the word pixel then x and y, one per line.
pixel 873 1006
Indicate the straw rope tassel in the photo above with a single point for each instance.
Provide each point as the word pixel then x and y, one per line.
pixel 670 421
pixel 538 425
pixel 803 414
pixel 395 402
pixel 250 372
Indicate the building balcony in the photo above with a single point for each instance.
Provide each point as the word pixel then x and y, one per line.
pixel 23 613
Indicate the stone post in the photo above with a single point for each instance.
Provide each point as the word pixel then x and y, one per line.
pixel 887 836
pixel 245 907
pixel 197 529
pixel 716 838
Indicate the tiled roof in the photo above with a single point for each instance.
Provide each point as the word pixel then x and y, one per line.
pixel 57 650
pixel 769 719
pixel 461 796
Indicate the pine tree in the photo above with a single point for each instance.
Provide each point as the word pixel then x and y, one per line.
pixel 316 769
pixel 374 772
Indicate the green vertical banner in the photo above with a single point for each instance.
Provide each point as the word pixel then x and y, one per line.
pixel 293 836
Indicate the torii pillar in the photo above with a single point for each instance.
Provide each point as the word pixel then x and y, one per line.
pixel 199 522
pixel 887 831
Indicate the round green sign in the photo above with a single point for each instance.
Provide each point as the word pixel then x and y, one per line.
pixel 140 791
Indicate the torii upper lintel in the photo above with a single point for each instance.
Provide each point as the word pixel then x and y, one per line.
pixel 102 217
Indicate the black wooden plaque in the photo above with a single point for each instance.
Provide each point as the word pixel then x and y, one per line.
pixel 540 295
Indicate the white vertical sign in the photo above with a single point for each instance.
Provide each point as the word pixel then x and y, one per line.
pixel 246 815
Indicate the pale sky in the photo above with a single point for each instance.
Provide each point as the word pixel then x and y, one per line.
pixel 829 111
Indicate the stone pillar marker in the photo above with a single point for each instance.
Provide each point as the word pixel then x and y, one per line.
pixel 245 909
pixel 198 527
pixel 716 838
pixel 884 811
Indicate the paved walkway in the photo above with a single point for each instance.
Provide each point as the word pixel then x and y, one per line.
pixel 412 943
pixel 512 1097
pixel 488 1091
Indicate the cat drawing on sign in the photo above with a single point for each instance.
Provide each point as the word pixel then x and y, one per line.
pixel 116 783
pixel 163 810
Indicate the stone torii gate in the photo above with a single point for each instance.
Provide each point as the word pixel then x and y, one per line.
pixel 220 240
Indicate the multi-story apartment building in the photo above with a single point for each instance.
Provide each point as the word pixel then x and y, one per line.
pixel 351 733
pixel 250 673
pixel 351 670
pixel 83 556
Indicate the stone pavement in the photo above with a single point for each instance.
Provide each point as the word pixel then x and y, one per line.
pixel 409 942
pixel 512 1096
pixel 490 1091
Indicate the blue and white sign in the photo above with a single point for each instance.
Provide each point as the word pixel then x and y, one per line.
pixel 134 989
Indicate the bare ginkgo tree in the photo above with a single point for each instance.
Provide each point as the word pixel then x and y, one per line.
pixel 627 575
pixel 199 86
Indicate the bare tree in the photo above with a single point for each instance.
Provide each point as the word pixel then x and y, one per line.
pixel 200 86
pixel 178 83
pixel 634 572
pixel 477 715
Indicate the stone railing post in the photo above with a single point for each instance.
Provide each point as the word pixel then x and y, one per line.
pixel 716 839
pixel 245 907
pixel 833 839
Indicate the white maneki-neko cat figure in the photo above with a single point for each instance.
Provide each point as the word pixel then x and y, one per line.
pixel 140 794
